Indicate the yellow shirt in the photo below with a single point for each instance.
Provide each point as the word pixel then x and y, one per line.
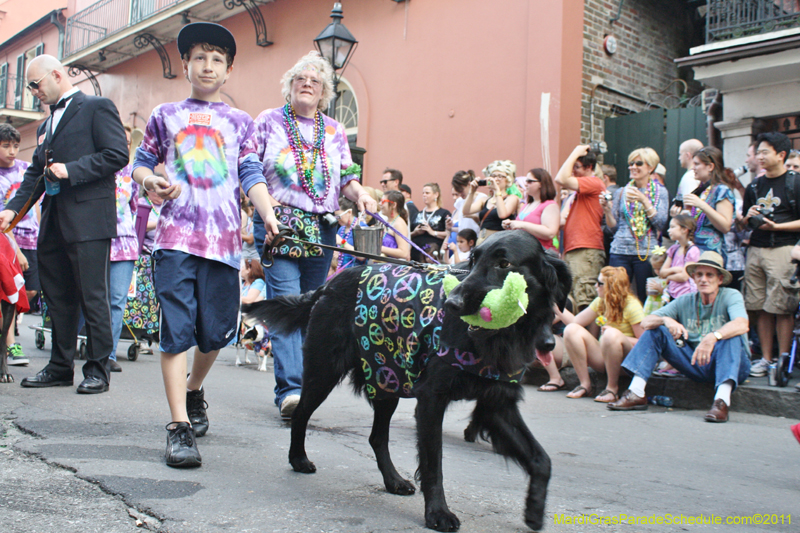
pixel 632 314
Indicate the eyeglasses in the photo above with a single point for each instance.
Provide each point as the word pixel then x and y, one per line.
pixel 495 176
pixel 531 181
pixel 34 85
pixel 636 163
pixel 599 283
pixel 313 81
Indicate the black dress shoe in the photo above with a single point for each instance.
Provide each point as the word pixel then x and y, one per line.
pixel 113 366
pixel 45 378
pixel 92 386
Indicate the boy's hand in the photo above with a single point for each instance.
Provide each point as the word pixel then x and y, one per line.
pixel 163 189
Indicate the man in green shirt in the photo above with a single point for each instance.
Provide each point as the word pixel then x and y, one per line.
pixel 712 325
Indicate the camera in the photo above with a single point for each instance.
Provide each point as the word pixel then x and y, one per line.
pixel 678 201
pixel 482 183
pixel 756 221
pixel 598 147
pixel 607 196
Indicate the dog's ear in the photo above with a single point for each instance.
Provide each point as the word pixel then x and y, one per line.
pixel 561 278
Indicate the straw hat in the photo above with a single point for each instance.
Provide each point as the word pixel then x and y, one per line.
pixel 713 260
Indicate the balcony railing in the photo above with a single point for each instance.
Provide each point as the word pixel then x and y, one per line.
pixel 732 19
pixel 14 95
pixel 107 17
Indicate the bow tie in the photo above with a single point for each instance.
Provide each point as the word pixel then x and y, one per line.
pixel 60 105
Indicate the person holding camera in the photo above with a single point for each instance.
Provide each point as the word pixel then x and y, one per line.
pixel 771 210
pixel 503 202
pixel 428 229
pixel 584 250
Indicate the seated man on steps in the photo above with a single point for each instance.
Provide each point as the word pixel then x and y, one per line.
pixel 713 325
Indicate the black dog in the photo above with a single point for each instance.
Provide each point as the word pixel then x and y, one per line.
pixel 366 312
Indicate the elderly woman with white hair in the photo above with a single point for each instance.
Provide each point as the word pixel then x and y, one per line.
pixel 500 205
pixel 307 165
pixel 639 209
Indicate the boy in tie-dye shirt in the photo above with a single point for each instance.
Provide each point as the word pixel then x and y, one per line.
pixel 206 148
pixel 25 233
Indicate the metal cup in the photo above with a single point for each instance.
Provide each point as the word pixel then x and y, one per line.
pixel 772 374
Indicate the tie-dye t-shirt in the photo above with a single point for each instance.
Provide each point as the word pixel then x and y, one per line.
pixel 207 148
pixel 27 231
pixel 272 145
pixel 125 246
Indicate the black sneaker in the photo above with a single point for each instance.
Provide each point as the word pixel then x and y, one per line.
pixel 196 409
pixel 182 449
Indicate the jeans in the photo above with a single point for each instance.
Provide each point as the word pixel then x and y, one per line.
pixel 286 277
pixel 729 359
pixel 641 270
pixel 120 274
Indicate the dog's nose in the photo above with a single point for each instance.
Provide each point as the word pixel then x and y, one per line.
pixel 454 304
pixel 549 346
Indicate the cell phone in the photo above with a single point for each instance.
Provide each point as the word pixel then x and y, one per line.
pixel 482 183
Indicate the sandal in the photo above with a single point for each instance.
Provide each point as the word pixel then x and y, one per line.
pixel 579 388
pixel 552 387
pixel 605 392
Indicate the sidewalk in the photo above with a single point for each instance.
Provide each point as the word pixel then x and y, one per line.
pixel 753 396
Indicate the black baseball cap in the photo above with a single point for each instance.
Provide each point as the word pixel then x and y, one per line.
pixel 205 32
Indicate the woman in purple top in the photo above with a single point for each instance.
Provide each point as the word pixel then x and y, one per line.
pixel 394 211
pixel 307 164
pixel 540 216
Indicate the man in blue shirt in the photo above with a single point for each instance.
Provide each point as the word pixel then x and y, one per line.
pixel 712 325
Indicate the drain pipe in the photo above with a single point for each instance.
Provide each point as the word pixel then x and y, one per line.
pixel 712 117
pixel 57 23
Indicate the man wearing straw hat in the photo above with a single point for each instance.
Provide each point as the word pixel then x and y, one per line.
pixel 702 334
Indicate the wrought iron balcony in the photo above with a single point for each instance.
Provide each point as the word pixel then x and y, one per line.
pixel 732 19
pixel 17 105
pixel 107 17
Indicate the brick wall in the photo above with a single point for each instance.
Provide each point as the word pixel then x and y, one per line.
pixel 650 35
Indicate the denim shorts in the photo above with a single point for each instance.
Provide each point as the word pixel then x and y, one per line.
pixel 199 301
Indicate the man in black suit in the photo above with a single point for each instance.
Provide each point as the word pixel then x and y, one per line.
pixel 88 146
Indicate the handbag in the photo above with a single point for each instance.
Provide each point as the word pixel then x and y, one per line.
pixel 306 227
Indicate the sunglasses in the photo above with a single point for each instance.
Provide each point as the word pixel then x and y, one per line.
pixel 599 283
pixel 384 182
pixel 34 85
pixel 636 163
pixel 386 201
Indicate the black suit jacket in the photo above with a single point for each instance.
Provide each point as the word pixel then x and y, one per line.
pixel 90 141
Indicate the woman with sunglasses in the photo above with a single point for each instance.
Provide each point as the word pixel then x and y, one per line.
pixel 618 315
pixel 540 216
pixel 711 204
pixel 394 211
pixel 503 202
pixel 639 209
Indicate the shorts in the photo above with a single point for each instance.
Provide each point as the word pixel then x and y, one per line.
pixel 585 265
pixel 766 281
pixel 199 301
pixel 32 274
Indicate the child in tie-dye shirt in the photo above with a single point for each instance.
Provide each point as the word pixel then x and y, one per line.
pixel 206 148
pixel 25 233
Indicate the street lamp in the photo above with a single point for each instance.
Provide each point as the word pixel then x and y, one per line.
pixel 336 44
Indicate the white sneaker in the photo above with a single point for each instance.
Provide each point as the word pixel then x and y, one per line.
pixel 759 368
pixel 288 405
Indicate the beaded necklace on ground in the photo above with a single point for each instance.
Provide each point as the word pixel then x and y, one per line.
pixel 299 146
pixel 698 214
pixel 637 219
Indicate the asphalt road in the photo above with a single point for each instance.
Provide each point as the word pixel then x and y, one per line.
pixel 95 463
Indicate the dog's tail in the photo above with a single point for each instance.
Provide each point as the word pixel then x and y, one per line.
pixel 284 314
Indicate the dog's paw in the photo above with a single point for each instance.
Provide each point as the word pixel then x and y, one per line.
pixel 534 522
pixel 442 520
pixel 303 465
pixel 6 378
pixel 471 432
pixel 401 487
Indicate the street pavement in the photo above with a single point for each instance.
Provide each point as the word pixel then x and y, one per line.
pixel 88 463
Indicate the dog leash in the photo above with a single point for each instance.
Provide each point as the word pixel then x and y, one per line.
pixel 286 233
pixel 388 225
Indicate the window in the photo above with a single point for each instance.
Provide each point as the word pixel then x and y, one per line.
pixel 347 110
pixel 24 99
pixel 3 85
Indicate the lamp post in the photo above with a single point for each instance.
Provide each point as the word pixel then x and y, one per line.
pixel 336 44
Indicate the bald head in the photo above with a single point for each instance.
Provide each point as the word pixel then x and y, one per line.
pixel 687 150
pixel 51 79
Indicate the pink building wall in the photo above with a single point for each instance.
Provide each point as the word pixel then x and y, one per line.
pixel 441 86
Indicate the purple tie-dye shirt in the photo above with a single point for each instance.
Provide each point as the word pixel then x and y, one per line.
pixel 125 246
pixel 27 231
pixel 207 148
pixel 272 146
